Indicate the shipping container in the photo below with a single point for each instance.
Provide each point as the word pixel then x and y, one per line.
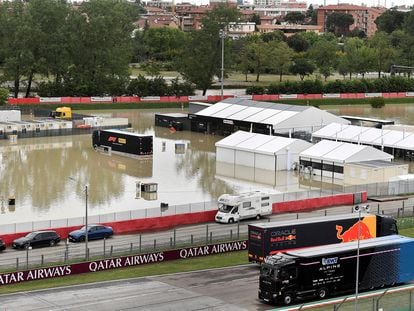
pixel 122 142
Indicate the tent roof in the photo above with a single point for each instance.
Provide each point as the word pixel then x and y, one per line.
pixel 252 111
pixel 259 143
pixel 341 152
pixel 399 139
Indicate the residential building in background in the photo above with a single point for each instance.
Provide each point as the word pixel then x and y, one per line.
pixel 364 17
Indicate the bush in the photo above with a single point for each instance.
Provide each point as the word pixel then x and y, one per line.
pixel 4 96
pixel 255 90
pixel 377 102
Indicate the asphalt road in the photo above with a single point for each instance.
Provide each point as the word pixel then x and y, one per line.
pixel 11 258
pixel 220 289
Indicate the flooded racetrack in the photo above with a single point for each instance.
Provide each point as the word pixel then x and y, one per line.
pixel 47 175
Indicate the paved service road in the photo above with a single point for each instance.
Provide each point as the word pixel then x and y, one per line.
pixel 220 289
pixel 130 243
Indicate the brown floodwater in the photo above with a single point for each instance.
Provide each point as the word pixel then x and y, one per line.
pixel 47 175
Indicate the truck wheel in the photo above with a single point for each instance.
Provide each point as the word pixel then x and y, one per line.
pixel 258 217
pixel 288 298
pixel 231 220
pixel 322 293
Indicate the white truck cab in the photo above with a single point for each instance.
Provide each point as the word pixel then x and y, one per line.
pixel 232 208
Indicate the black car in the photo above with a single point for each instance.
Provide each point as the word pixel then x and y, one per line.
pixel 37 239
pixel 2 245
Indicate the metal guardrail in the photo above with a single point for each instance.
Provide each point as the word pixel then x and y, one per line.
pixel 186 236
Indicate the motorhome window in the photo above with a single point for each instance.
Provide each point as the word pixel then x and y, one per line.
pixel 235 210
pixel 247 204
pixel 225 208
pixel 265 204
pixel 265 198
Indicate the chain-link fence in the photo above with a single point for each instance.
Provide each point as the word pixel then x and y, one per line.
pixel 186 236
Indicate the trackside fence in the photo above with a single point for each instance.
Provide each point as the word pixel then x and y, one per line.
pixel 186 236
pixel 394 188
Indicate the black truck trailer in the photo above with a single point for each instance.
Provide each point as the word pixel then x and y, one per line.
pixel 272 237
pixel 330 270
pixel 123 142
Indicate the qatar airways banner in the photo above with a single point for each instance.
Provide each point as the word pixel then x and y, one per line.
pixel 120 262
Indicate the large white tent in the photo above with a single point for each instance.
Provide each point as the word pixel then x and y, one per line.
pixel 329 157
pixel 233 114
pixel 381 138
pixel 260 151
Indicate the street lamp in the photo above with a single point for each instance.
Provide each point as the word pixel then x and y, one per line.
pixel 222 35
pixel 86 220
pixel 359 209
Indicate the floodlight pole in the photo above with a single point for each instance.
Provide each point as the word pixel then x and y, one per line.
pixel 86 223
pixel 222 35
pixel 358 209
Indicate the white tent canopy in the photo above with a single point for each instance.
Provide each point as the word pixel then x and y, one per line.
pixel 341 152
pixel 279 116
pixel 398 139
pixel 259 150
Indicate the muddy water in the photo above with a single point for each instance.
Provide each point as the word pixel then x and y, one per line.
pixel 47 175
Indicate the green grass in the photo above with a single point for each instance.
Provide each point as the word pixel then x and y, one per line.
pixel 193 264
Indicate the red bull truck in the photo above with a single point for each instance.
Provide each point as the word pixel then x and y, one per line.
pixel 330 270
pixel 273 237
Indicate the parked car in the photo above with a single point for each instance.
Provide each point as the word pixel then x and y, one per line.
pixel 2 245
pixel 37 239
pixel 95 231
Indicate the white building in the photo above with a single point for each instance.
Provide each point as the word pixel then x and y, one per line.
pixel 328 158
pixel 260 151
pixel 233 114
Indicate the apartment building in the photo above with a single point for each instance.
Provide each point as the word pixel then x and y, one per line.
pixel 364 17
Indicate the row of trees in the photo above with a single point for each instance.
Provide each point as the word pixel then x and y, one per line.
pixel 303 54
pixel 86 51
pixel 386 84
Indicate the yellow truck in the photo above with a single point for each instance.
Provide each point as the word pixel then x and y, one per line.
pixel 62 113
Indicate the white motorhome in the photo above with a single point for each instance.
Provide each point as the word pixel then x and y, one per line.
pixel 232 208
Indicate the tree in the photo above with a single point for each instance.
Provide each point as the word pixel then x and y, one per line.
pixel 298 43
pixel 323 52
pixel 201 58
pixel 48 48
pixel 163 44
pixel 100 46
pixel 357 57
pixel 383 51
pixel 390 21
pixel 294 18
pixel 15 35
pixel 273 36
pixel 280 57
pixel 311 15
pixel 303 67
pixel 254 56
pixel 4 96
pixel 408 25
pixel 339 23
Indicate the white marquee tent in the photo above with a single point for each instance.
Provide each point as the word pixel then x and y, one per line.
pixel 260 151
